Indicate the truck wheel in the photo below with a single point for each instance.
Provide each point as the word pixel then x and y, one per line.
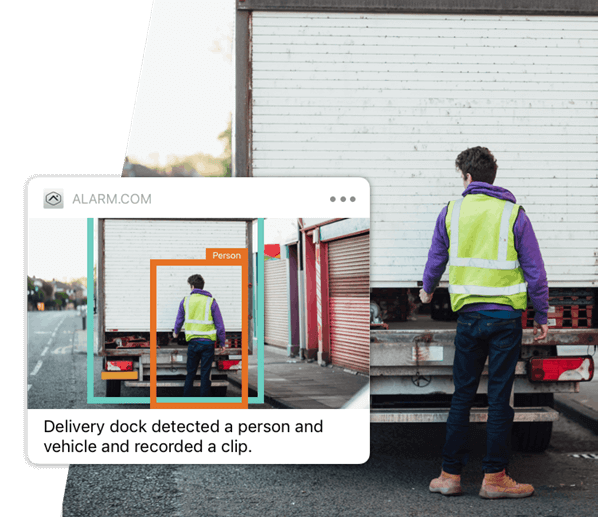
pixel 533 436
pixel 113 388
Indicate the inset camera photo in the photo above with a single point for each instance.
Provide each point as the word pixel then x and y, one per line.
pixel 216 308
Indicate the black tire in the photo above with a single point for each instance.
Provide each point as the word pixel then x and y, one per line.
pixel 533 436
pixel 113 388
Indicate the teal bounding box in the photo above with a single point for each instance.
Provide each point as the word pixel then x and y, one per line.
pixel 92 399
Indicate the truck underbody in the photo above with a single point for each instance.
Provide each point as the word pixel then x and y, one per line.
pixel 129 352
pixel 411 373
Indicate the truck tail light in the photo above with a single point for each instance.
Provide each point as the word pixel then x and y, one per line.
pixel 551 369
pixel 229 365
pixel 119 366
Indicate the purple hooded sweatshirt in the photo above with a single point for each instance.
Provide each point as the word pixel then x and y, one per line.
pixel 220 332
pixel 526 245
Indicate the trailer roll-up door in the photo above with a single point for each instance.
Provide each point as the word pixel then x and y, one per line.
pixel 349 301
pixel 395 98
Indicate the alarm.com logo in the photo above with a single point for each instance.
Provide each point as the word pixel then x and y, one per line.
pixel 53 198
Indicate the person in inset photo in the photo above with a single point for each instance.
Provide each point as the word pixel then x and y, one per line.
pixel 199 316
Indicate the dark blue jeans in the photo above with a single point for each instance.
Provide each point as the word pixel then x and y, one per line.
pixel 480 337
pixel 199 353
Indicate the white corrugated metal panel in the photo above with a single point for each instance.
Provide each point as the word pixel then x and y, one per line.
pixel 312 221
pixel 395 98
pixel 130 244
pixel 344 228
pixel 349 302
pixel 276 299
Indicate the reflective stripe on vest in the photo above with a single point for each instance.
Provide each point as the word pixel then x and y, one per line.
pixel 200 306
pixel 489 271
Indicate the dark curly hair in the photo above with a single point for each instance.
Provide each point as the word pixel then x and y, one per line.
pixel 196 281
pixel 479 162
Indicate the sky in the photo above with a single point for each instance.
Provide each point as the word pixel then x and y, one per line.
pixel 183 101
pixel 57 249
pixel 184 98
pixel 186 87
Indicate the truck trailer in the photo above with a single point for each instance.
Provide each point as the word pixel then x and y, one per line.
pixel 393 91
pixel 125 248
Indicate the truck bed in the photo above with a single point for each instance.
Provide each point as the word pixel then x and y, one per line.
pixel 169 349
pixel 423 322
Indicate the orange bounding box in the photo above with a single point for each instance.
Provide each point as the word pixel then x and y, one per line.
pixel 120 376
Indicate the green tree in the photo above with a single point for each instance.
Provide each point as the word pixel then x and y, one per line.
pixel 61 299
pixel 34 294
pixel 227 155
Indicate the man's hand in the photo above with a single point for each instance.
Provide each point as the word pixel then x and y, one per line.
pixel 425 297
pixel 175 335
pixel 543 331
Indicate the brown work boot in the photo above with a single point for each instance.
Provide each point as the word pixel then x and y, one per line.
pixel 446 484
pixel 500 485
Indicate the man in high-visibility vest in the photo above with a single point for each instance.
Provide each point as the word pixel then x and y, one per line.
pixel 492 253
pixel 200 318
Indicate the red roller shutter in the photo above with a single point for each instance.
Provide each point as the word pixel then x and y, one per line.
pixel 349 302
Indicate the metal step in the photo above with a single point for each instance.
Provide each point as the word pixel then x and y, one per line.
pixel 480 415
pixel 171 384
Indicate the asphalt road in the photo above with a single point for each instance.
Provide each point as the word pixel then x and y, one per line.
pixel 57 366
pixel 51 363
pixel 393 482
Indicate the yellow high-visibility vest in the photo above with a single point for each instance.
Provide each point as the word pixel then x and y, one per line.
pixel 199 322
pixel 483 261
